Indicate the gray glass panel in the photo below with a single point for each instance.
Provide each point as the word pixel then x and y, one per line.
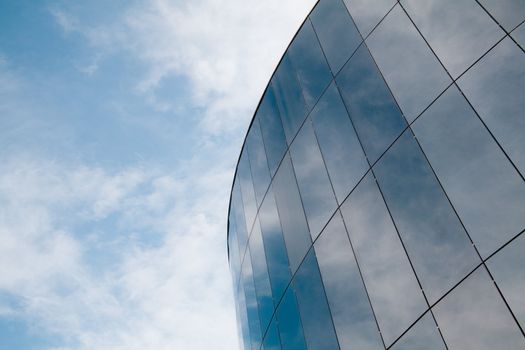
pixel 290 327
pixel 368 13
pixel 409 67
pixel 436 242
pixel 252 308
pixel 495 88
pixel 507 268
pixel 312 178
pixel 248 195
pixel 293 221
pixel 315 314
pixel 336 31
pixel 423 335
pixel 459 32
pixel 309 62
pixel 276 256
pixel 351 311
pixel 260 276
pixel 370 104
pixel 338 141
pixel 519 35
pixel 237 209
pixel 272 341
pixel 272 129
pixel 289 97
pixel 390 281
pixel 509 13
pixel 473 316
pixel 258 163
pixel 485 189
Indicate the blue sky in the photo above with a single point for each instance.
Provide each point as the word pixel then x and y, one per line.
pixel 120 125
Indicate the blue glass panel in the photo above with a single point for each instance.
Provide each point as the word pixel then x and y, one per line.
pixel 237 209
pixel 436 242
pixel 316 192
pixel 372 108
pixel 368 13
pixel 336 31
pixel 243 312
pixel 390 281
pixel 293 221
pixel 423 335
pixel 248 195
pixel 272 129
pixel 343 155
pixel 289 97
pixel 309 62
pixel 508 13
pixel 351 311
pixel 290 327
pixel 259 165
pixel 233 249
pixel 272 340
pixel 252 308
pixel 315 313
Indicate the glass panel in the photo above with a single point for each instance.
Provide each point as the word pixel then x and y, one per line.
pixel 336 31
pixel 276 256
pixel 459 32
pixel 390 281
pixel 372 108
pixel 312 179
pixel 293 221
pixel 353 317
pixel 237 209
pixel 272 341
pixel 473 316
pixel 423 335
pixel 241 299
pixel 272 130
pixel 409 67
pixel 495 88
pixel 233 249
pixel 258 163
pixel 507 268
pixel 509 13
pixel 519 35
pixel 434 238
pixel 290 327
pixel 338 141
pixel 260 276
pixel 315 314
pixel 251 303
pixel 289 97
pixel 248 195
pixel 485 189
pixel 368 13
pixel 310 64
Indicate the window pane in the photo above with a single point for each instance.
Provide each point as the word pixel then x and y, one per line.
pixel 233 250
pixel 338 141
pixel 293 221
pixel 244 176
pixel 290 327
pixel 309 62
pixel 519 35
pixel 507 268
pixel 336 31
pixel 495 88
pixel 315 314
pixel 485 189
pixel 251 303
pixel 459 32
pixel 368 13
pixel 312 178
pixel 243 312
pixel 272 341
pixel 353 317
pixel 272 129
pixel 372 108
pixel 409 67
pixel 240 219
pixel 436 242
pixel 390 281
pixel 473 316
pixel 423 335
pixel 509 13
pixel 258 163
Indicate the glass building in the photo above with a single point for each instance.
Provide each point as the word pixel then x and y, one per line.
pixel 379 198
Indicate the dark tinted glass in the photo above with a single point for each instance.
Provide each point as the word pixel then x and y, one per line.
pixel 508 13
pixel 310 64
pixel 312 178
pixel 289 97
pixel 351 311
pixel 248 195
pixel 368 13
pixel 372 108
pixel 495 88
pixel 315 313
pixel 258 163
pixel 473 316
pixel 272 341
pixel 423 335
pixel 290 327
pixel 390 281
pixel 293 221
pixel 336 31
pixel 486 190
pixel 272 129
pixel 251 303
pixel 436 242
pixel 338 141
pixel 409 67
pixel 237 209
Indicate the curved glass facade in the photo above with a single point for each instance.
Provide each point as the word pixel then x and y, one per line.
pixel 379 198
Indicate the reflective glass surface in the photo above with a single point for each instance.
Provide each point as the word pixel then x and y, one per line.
pixel 290 327
pixel 237 209
pixel 423 335
pixel 243 312
pixel 272 340
pixel 258 163
pixel 342 153
pixel 252 307
pixel 402 55
pixel 368 13
pixel 336 31
pixel 508 13
pixel 248 195
pixel 519 35
pixel 233 249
